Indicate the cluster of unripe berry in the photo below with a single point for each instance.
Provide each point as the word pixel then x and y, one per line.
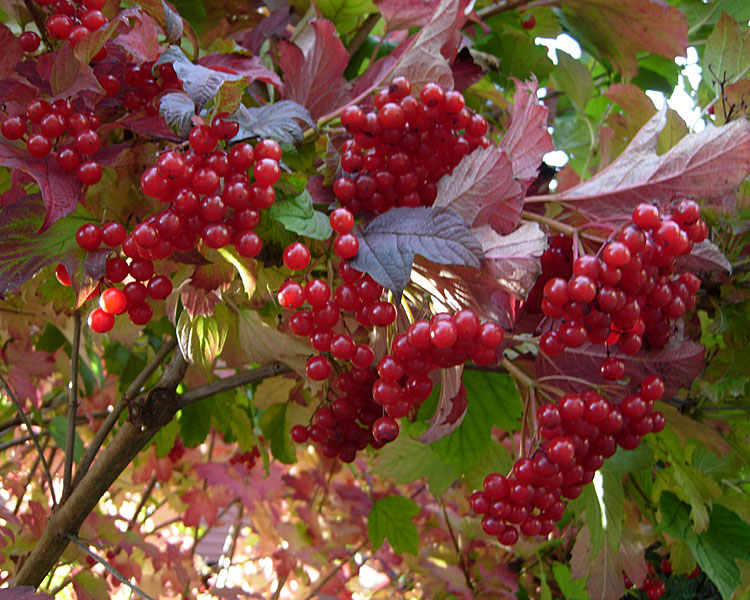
pixel 629 293
pixel 579 433
pixel 69 20
pixel 401 149
pixel 211 199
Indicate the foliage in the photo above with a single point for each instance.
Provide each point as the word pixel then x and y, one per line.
pixel 133 446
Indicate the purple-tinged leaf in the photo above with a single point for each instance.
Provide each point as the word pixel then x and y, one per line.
pixel 143 40
pixel 68 76
pixel 170 21
pixel 465 71
pixel 250 67
pixel 451 407
pixel 405 14
pixel 482 190
pixel 678 364
pixel 527 139
pixel 277 121
pixel 603 570
pixel 23 593
pixel 320 193
pixel 513 260
pixel 25 250
pixel 60 190
pixel 177 110
pixel 148 126
pixel 705 258
pixel 87 47
pixel 387 245
pixel 707 164
pixel 12 52
pixel 314 73
pixel 619 30
pixel 423 62
pixel 275 25
pixel 200 83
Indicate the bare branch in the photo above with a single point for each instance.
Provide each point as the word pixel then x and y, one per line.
pixel 14 442
pixel 115 573
pixel 144 498
pixel 229 383
pixel 72 407
pixel 363 31
pixel 111 420
pixel 26 422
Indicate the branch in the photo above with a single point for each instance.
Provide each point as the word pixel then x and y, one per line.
pixel 26 422
pixel 335 570
pixel 229 383
pixel 464 566
pixel 110 568
pixel 14 442
pixel 144 498
pixel 111 420
pixel 149 413
pixel 72 407
pixel 361 36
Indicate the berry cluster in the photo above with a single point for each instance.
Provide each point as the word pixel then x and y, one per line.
pixel 402 148
pixel 141 85
pixel 351 421
pixel 211 199
pixel 70 20
pixel 628 293
pixel 579 434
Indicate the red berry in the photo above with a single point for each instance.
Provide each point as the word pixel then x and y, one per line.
pixel 291 295
pixel 266 171
pixel 529 23
pixel 29 41
pixel 298 433
pixel 296 256
pixel 13 128
pixel 89 172
pixel 113 234
pixel 89 236
pixel 268 149
pixel 342 220
pixel 113 301
pixel 38 145
pixel 100 321
pixel 318 368
pixel 560 450
pixel 159 287
pixel 201 139
pixel 141 314
pixel 61 273
pixel 116 269
pixel 385 429
pixel 59 25
pixel 646 216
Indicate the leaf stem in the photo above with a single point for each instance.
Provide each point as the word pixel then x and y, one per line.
pixel 33 435
pixel 363 31
pixel 462 562
pixel 552 223
pixel 72 407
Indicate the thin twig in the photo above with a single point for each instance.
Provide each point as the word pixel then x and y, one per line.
pixel 72 407
pixel 115 573
pixel 144 498
pixel 46 406
pixel 464 566
pixel 229 383
pixel 29 478
pixel 14 442
pixel 335 570
pixel 111 420
pixel 26 422
pixel 364 30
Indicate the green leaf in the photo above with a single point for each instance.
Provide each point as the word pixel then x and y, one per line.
pixel 241 426
pixel 492 401
pixel 195 422
pixel 729 532
pixel 720 568
pixel 202 337
pixel 571 589
pixel 406 460
pixel 391 518
pixel 125 362
pixel 345 14
pixel 700 14
pixel 573 79
pixel 675 516
pixel 572 136
pixel 298 215
pixel 58 429
pixel 273 423
pixel 519 56
pixel 193 11
pixel 164 438
pixel 629 461
pixel 727 53
pixel 245 267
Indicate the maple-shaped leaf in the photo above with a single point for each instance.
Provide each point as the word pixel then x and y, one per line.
pixel 388 243
pixel 619 30
pixel 177 109
pixel 422 61
pixel 204 505
pixel 707 164
pixel 482 190
pixel 451 407
pixel 12 52
pixel 705 257
pixel 251 67
pixel 391 518
pixel 277 121
pixel 23 593
pixel 513 260
pixel 60 190
pixel 527 139
pixel 678 364
pixel 603 569
pixel 314 72
pixel 142 41
pixel 25 250
pixel 405 14
pixel 68 76
pixel 200 83
pixel 91 43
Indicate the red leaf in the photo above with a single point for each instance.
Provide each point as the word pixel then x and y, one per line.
pixel 203 505
pixel 154 127
pixel 711 163
pixel 604 571
pixel 68 76
pixel 275 25
pixel 465 71
pixel 451 406
pixel 60 190
pixel 619 30
pixel 527 140
pixel 482 190
pixel 143 40
pixel 12 52
pixel 405 14
pixel 313 74
pixel 513 260
pixel 678 364
pixel 252 68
